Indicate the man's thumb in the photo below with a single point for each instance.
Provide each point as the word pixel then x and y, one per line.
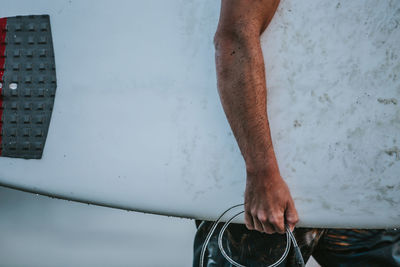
pixel 291 215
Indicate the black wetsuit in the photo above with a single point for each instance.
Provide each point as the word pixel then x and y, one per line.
pixel 330 247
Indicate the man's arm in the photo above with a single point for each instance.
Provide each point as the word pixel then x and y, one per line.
pixel 242 89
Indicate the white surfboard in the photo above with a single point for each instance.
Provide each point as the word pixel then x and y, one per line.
pixel 137 123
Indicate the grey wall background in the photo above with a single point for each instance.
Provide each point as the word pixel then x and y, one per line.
pixel 40 231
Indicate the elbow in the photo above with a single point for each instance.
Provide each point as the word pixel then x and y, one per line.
pixel 240 35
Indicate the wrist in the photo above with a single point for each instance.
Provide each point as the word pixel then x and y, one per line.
pixel 266 171
pixel 260 157
pixel 262 165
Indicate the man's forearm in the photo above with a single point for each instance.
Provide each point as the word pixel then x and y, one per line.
pixel 243 92
pixel 242 89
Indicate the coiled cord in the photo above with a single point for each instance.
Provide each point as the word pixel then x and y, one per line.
pixel 289 237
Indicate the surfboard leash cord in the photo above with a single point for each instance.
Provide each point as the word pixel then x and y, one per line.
pixel 289 237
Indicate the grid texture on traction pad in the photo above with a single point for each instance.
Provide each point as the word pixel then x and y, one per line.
pixel 28 85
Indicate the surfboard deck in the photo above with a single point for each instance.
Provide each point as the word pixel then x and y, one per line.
pixel 137 123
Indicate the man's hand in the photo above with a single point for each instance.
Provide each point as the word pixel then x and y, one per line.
pixel 268 203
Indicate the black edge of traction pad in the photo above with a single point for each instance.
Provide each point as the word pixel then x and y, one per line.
pixel 30 65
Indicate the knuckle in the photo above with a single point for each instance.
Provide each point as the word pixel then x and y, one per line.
pixel 275 218
pixel 253 212
pixel 263 217
pixel 272 219
pixel 293 219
